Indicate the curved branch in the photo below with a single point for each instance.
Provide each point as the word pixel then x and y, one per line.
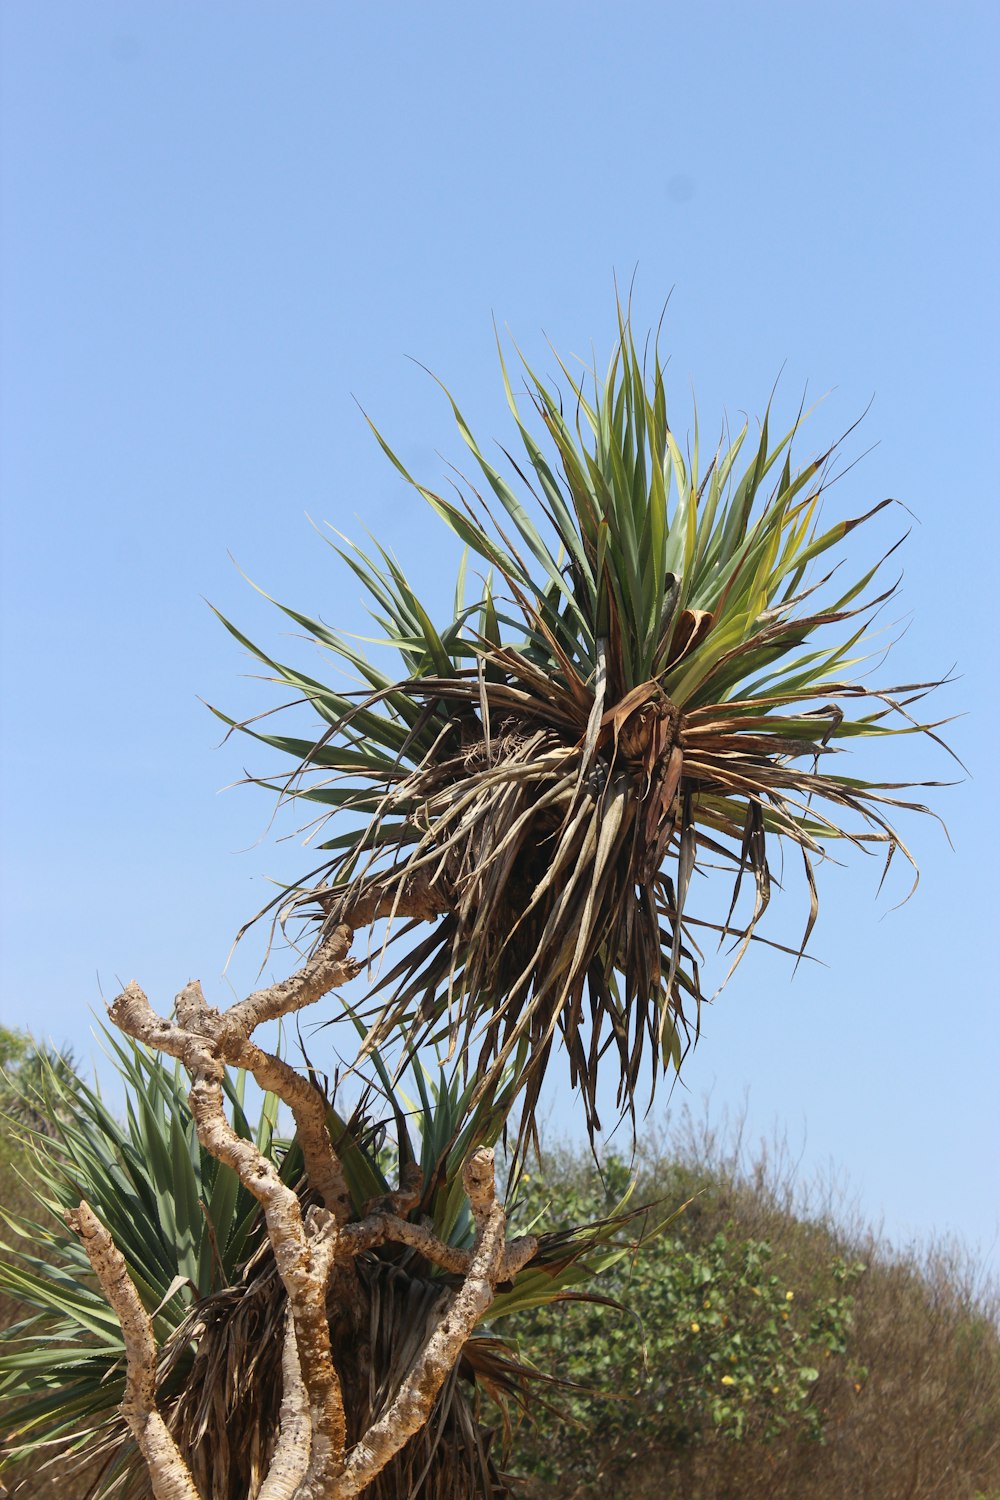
pixel 330 965
pixel 324 971
pixel 409 1409
pixel 311 1461
pixel 303 1258
pixel 376 1228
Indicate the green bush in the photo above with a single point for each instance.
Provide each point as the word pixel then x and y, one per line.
pixel 763 1352
pixel 712 1341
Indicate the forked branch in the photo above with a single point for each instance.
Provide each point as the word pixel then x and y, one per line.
pixel 311 1459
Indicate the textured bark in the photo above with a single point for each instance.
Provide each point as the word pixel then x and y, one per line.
pixel 312 1459
pixel 291 1454
pixel 170 1476
pixel 376 1228
pixel 303 1258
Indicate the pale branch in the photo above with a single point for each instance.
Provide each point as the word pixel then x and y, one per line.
pixel 311 1461
pixel 518 1254
pixel 409 1409
pixel 169 1474
pixel 133 1014
pixel 309 1110
pixel 330 965
pixel 418 897
pixel 376 1228
pixel 328 1430
pixel 290 1458
pixel 405 1197
pixel 303 1261
pixel 479 1181
pixel 272 1073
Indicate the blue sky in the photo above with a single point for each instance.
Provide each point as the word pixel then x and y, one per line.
pixel 226 225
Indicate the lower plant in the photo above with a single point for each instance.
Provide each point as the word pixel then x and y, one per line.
pixel 195 1246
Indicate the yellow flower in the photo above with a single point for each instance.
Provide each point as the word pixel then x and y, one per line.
pixel 695 1327
pixel 789 1296
pixel 775 1390
pixel 728 1380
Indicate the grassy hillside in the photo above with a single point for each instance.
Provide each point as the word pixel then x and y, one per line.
pixel 770 1350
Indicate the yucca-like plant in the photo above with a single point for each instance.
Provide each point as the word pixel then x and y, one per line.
pixel 194 1243
pixel 182 1220
pixel 657 677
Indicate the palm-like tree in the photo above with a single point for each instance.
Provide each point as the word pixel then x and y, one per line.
pixel 657 676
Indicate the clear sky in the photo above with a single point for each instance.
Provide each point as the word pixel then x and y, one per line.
pixel 222 222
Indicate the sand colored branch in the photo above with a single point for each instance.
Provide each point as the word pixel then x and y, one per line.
pixel 309 1110
pixel 272 1073
pixel 311 1459
pixel 290 1459
pixel 406 1196
pixel 170 1475
pixel 303 1260
pixel 378 1228
pixel 517 1255
pixel 409 1409
pixel 330 965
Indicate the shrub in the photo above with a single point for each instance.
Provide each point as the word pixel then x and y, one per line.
pixel 768 1353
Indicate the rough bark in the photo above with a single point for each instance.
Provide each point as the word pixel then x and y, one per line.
pixel 408 1412
pixel 290 1459
pixel 170 1476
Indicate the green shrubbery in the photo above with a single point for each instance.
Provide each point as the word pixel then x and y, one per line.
pixel 761 1353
